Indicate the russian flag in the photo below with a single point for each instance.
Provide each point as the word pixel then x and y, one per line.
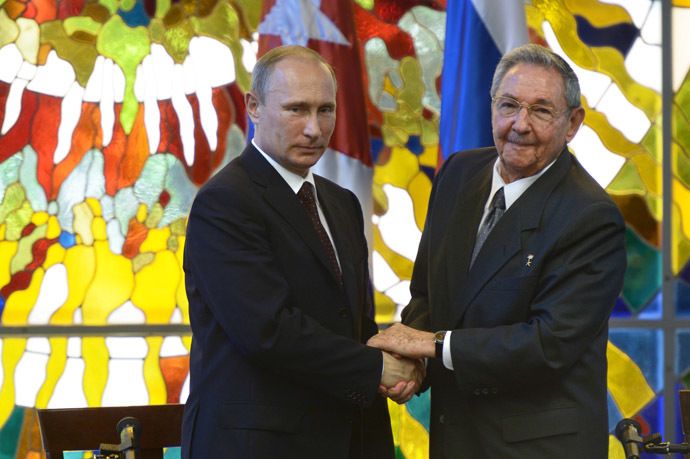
pixel 329 29
pixel 478 33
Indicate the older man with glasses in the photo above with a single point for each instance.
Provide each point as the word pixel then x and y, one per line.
pixel 520 263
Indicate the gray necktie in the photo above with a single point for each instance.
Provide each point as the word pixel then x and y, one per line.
pixel 496 211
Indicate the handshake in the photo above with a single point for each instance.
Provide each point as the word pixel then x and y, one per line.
pixel 404 349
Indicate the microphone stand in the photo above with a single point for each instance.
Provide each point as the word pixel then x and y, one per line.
pixel 653 444
pixel 129 429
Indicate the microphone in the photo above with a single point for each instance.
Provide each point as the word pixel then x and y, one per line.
pixel 628 432
pixel 129 429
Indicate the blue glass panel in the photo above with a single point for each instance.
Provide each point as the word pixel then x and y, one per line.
pixel 653 310
pixel 679 419
pixel 621 309
pixel 682 298
pixel 682 351
pixel 614 414
pixel 645 347
pixel 651 419
pixel 415 145
pixel 173 453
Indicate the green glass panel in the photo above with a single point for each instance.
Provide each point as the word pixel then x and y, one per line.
pixel 9 433
pixel 643 276
pixel 627 181
pixel 127 47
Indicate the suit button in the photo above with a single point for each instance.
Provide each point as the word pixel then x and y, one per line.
pixel 344 313
pixel 485 391
pixel 494 390
pixel 442 419
pixel 477 392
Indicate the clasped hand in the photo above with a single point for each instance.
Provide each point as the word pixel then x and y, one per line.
pixel 404 368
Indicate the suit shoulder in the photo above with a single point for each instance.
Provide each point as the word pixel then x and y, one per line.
pixel 471 160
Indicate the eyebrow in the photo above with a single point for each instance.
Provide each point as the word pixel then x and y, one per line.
pixel 538 102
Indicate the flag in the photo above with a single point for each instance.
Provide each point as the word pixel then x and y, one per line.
pixel 478 33
pixel 328 28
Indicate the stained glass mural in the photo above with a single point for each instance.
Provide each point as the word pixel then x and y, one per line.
pixel 104 141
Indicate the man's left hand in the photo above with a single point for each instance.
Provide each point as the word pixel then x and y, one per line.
pixel 405 341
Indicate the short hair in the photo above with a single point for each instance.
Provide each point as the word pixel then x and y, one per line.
pixel 266 65
pixel 543 57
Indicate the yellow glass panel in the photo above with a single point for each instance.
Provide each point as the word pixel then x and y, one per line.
pixel 610 136
pixel 20 302
pixel 599 14
pixel 626 383
pixel 57 360
pixel 80 264
pixel 408 434
pixel 111 287
pixel 12 352
pixel 95 354
pixel 401 266
pixel 157 303
pixel 7 251
pixel 401 168
pixel 601 59
pixel 420 189
pixel 385 308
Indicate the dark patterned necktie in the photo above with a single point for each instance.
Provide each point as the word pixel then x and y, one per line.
pixel 306 197
pixel 496 211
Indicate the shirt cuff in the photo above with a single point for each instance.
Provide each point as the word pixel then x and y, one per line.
pixel 447 360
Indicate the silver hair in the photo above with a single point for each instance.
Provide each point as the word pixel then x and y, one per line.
pixel 543 57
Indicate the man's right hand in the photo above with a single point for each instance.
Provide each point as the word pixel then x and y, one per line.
pixel 402 377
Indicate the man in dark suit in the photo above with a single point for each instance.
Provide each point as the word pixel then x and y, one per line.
pixel 520 263
pixel 278 286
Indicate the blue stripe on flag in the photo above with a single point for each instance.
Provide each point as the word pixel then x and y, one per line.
pixel 470 57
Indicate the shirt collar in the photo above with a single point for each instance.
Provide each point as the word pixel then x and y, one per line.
pixel 513 190
pixel 293 180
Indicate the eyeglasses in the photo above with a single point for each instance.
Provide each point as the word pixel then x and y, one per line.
pixel 507 107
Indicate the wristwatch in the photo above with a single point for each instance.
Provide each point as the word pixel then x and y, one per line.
pixel 439 336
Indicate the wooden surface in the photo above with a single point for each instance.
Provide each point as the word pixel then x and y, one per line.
pixel 81 429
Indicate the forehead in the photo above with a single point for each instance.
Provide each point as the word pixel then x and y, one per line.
pixel 532 83
pixel 301 78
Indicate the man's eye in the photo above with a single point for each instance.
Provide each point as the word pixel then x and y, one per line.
pixel 541 110
pixel 507 105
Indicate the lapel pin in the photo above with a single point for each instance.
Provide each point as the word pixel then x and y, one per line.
pixel 530 257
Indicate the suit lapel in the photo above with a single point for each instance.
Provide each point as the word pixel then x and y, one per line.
pixel 466 215
pixel 284 201
pixel 505 240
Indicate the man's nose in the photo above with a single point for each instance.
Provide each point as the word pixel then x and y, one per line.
pixel 311 126
pixel 521 122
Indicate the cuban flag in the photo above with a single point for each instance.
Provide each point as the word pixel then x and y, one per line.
pixel 478 33
pixel 328 28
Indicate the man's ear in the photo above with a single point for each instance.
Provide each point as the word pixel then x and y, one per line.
pixel 252 104
pixel 576 118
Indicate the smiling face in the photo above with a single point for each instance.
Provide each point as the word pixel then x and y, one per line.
pixel 525 143
pixel 294 123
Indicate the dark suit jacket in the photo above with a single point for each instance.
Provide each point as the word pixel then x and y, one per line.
pixel 277 364
pixel 529 320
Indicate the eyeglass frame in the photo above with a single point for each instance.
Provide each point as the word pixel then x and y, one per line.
pixel 530 110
